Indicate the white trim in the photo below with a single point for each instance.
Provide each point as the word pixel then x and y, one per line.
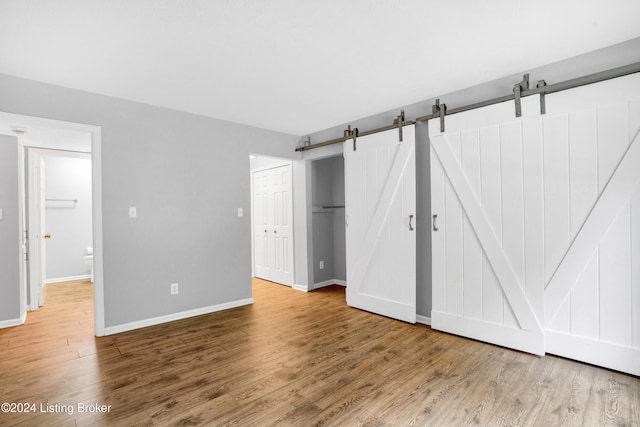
pixel 110 330
pixel 13 322
pixel 67 279
pixel 96 210
pixel 302 288
pixel 96 168
pixel 423 320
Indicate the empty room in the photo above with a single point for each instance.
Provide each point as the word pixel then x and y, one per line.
pixel 338 213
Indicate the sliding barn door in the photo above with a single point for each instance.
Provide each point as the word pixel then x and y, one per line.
pixel 380 193
pixel 538 225
pixel 272 225
pixel 484 240
pixel 592 224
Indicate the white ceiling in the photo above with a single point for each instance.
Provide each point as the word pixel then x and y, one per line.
pixel 296 66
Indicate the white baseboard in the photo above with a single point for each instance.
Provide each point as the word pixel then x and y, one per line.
pixel 13 322
pixel 302 288
pixel 175 316
pixel 67 279
pixel 329 283
pixel 423 320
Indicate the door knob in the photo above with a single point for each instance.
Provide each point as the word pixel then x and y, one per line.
pixel 47 236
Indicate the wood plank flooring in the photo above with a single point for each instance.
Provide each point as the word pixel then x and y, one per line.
pixel 291 359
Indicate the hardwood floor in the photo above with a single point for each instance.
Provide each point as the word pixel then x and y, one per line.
pixel 292 358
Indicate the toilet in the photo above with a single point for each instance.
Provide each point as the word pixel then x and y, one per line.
pixel 88 259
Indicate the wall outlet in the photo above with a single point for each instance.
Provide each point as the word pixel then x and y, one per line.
pixel 133 212
pixel 174 289
pixel 321 265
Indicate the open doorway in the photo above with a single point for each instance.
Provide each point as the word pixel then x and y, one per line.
pixel 328 222
pixel 272 219
pixel 58 214
pixel 64 143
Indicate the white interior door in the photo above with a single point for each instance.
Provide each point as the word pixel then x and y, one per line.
pixel 538 225
pixel 36 233
pixel 380 199
pixel 272 225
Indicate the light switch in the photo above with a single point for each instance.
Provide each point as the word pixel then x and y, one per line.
pixel 133 212
pixel 240 212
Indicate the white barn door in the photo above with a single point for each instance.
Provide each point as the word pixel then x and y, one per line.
pixel 380 198
pixel 592 268
pixel 272 225
pixel 484 239
pixel 539 225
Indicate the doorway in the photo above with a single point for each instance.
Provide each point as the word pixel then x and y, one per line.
pixel 328 222
pixel 58 135
pixel 272 220
pixel 59 216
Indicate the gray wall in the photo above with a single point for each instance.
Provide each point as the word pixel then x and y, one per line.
pixel 186 174
pixel 9 232
pixel 67 176
pixel 603 59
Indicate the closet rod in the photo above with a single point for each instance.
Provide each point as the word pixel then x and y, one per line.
pixel 61 200
pixel 545 89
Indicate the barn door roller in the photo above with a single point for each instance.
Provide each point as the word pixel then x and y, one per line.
pixel 439 110
pixel 351 134
pixel 517 92
pixel 399 121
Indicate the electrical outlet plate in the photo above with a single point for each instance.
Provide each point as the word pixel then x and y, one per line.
pixel 321 265
pixel 133 212
pixel 174 289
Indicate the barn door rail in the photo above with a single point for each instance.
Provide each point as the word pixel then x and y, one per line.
pixel 521 90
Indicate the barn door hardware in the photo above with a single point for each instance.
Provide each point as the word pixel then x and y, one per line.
pixel 439 110
pixel 520 90
pixel 399 121
pixel 517 91
pixel 543 106
pixel 351 134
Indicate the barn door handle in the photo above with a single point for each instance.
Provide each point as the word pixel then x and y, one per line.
pixel 410 222
pixel 435 227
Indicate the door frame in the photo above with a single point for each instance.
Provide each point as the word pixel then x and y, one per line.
pixel 96 178
pixel 34 210
pixel 277 162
